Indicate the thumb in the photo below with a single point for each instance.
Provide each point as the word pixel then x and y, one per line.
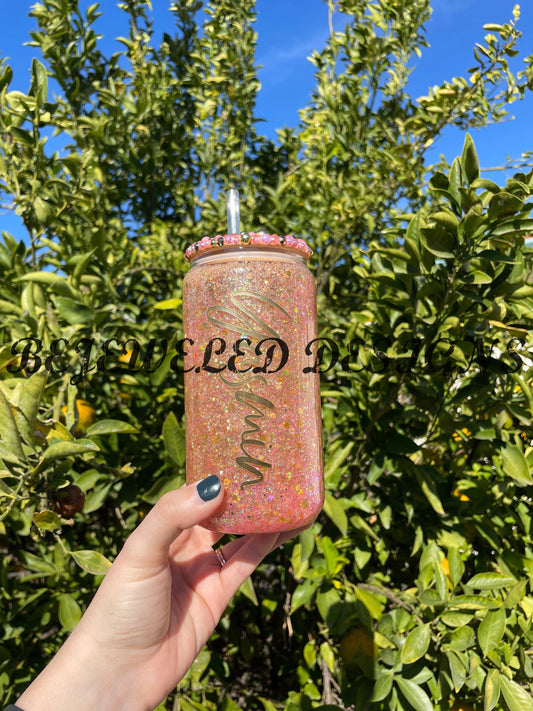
pixel 175 511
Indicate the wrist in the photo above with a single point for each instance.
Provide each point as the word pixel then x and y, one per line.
pixel 78 678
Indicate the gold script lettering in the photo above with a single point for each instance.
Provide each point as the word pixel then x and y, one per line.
pixel 250 325
pixel 249 462
pixel 242 319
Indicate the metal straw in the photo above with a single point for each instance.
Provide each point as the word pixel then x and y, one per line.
pixel 234 218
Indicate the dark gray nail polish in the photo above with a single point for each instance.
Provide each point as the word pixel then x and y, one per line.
pixel 209 487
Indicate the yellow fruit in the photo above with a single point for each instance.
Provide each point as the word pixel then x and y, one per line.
pixel 445 566
pixel 86 416
pixel 459 495
pixel 457 437
pixel 357 648
pixel 125 357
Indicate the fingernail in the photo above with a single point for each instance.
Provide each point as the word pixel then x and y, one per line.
pixel 209 488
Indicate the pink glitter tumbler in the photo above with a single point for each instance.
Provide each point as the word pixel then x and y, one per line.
pixel 252 412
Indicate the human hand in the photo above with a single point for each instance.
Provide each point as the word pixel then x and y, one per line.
pixel 154 611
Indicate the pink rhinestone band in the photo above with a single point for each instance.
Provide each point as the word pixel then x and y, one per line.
pixel 248 239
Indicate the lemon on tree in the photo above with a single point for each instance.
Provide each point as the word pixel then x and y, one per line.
pixel 357 649
pixel 86 416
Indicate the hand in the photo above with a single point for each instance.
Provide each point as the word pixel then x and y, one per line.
pixel 154 611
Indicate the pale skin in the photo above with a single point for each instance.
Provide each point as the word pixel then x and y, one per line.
pixel 154 611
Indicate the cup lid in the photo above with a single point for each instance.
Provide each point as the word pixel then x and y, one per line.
pixel 247 240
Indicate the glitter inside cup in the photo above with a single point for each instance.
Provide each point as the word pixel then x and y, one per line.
pixel 252 412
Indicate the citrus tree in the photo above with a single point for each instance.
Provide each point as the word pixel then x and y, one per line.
pixel 413 588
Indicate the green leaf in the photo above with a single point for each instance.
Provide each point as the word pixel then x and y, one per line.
pixel 95 498
pixel 414 695
pixel 331 554
pixel 91 561
pixel 8 307
pixel 504 204
pixel 416 644
pixel 325 601
pixel 413 231
pixel 485 184
pixel 491 630
pixel 335 511
pixel 81 261
pixel 6 77
pixel 474 602
pixel 168 304
pixel 429 489
pixel 337 459
pixel 38 565
pixel 328 656
pixel 492 689
pixel 9 433
pixel 47 520
pixel 516 697
pixel 516 225
pixel 456 180
pixel 493 255
pixel 383 686
pixel 469 160
pixel 456 565
pixel 439 242
pixel 267 705
pixel 299 564
pixel 370 601
pixel 461 639
pixel 456 619
pixel 69 612
pixel 302 595
pixel 7 456
pixel 490 581
pixel 28 405
pixel 46 278
pixel 105 427
pixel 309 654
pixel 516 595
pixel 514 464
pixel 248 590
pixel 476 276
pixel 39 83
pixel 457 670
pixel 74 312
pixel 22 136
pixel 44 211
pixel 229 705
pixel 396 443
pixel 174 440
pixel 446 219
pixel 60 450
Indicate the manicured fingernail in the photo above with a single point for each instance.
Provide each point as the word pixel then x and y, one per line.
pixel 209 488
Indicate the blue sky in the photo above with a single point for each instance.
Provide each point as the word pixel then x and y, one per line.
pixel 288 30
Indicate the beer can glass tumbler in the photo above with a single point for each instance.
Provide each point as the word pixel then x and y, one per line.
pixel 252 403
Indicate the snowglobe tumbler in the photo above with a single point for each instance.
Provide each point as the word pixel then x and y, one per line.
pixel 252 400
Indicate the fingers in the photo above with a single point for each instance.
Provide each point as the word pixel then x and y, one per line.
pixel 148 546
pixel 242 558
pixel 287 535
pixel 232 548
pixel 243 555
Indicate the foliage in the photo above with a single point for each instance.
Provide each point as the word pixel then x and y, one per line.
pixel 413 588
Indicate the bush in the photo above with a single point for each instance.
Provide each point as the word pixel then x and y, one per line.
pixel 413 588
